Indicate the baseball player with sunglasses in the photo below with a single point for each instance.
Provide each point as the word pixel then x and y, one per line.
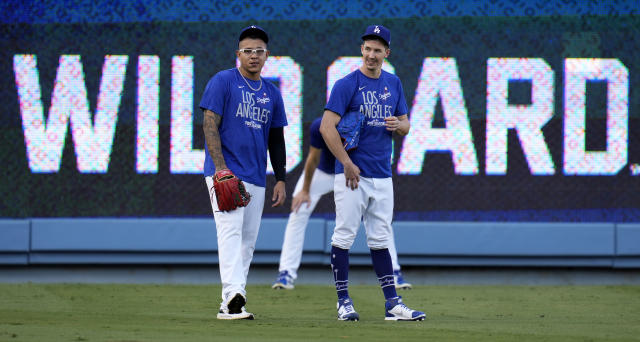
pixel 243 116
pixel 374 100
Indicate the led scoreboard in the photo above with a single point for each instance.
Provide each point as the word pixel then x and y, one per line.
pixel 512 118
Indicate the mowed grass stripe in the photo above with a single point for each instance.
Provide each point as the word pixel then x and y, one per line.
pixel 117 312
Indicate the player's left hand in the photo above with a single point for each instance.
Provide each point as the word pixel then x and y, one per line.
pixel 279 194
pixel 392 123
pixel 299 199
pixel 398 124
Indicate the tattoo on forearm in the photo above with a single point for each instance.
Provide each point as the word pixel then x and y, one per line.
pixel 210 126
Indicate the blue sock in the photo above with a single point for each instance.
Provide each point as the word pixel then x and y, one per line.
pixel 381 260
pixel 340 268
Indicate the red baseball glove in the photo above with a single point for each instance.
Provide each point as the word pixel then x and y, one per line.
pixel 230 191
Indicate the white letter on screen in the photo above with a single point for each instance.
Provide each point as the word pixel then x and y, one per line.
pixel 438 78
pixel 184 159
pixel 148 114
pixel 92 141
pixel 289 75
pixel 578 161
pixel 528 120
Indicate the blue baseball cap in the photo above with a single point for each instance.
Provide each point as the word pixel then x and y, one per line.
pixel 254 30
pixel 378 31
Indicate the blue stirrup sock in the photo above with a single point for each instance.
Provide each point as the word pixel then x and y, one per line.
pixel 340 269
pixel 381 260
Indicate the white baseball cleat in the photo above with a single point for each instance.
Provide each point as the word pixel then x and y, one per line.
pixel 225 315
pixel 346 312
pixel 395 310
pixel 234 308
pixel 284 281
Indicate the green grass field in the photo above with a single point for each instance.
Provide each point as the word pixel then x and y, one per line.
pixel 86 312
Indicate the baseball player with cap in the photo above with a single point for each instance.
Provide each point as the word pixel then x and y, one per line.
pixel 316 181
pixel 243 116
pixel 363 188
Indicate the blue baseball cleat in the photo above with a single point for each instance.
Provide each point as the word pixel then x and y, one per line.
pixel 400 282
pixel 395 310
pixel 346 312
pixel 284 281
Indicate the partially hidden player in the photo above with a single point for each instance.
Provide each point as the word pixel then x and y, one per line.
pixel 363 188
pixel 243 116
pixel 316 181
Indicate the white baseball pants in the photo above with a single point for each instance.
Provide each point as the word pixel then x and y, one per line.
pixel 321 183
pixel 237 232
pixel 372 202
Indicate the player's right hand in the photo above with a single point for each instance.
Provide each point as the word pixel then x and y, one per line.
pixel 351 175
pixel 299 199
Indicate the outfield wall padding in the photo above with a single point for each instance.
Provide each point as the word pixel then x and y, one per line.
pixel 193 241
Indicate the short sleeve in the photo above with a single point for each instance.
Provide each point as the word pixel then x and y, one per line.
pixel 341 95
pixel 316 139
pixel 213 97
pixel 401 107
pixel 279 118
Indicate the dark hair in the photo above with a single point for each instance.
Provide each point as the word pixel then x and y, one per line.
pixel 365 38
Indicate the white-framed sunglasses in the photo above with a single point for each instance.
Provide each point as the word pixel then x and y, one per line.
pixel 249 52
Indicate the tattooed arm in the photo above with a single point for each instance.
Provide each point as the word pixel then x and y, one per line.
pixel 214 146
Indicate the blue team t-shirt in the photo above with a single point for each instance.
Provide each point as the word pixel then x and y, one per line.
pixel 376 99
pixel 247 116
pixel 327 159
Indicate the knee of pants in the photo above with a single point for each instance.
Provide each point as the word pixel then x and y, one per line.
pixel 378 244
pixel 344 242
